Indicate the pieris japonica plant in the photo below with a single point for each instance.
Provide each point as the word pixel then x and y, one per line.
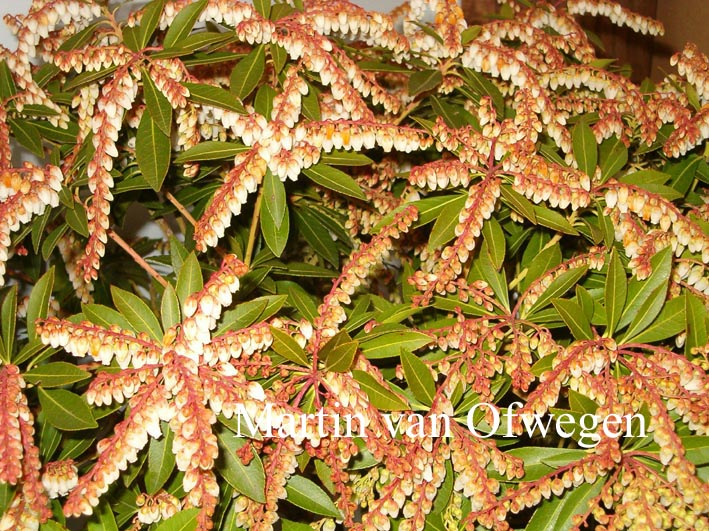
pixel 394 271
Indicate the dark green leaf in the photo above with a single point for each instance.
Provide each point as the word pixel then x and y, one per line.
pixel 7 84
pixel 210 150
pixel 339 352
pixel 39 302
pixel 317 236
pixel 303 303
pixel 613 157
pixel 557 514
pixel 65 410
pixel 56 374
pixel 670 322
pixel 27 135
pixel 305 494
pixel 263 101
pixel 647 312
pixel 334 179
pixel 189 279
pixel 615 292
pixel 183 23
pixel 575 319
pixel 640 290
pixel 169 308
pixel 345 158
pixel 560 285
pixel 247 73
pixel 149 22
pixel 284 345
pixel 161 462
pixel 419 377
pixel 424 80
pixel 553 220
pixel 543 261
pixel 136 312
pixel 585 148
pixel 105 316
pixel 249 480
pixel 274 197
pixel 379 396
pixel 76 219
pixel 495 239
pixel 696 322
pixel 389 344
pixel 9 320
pixel 157 105
pixel 518 203
pixel 214 96
pixel 443 229
pixel 185 520
pixel 152 151
pixel 275 235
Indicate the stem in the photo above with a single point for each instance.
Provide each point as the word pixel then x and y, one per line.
pixel 181 208
pixel 253 228
pixel 138 259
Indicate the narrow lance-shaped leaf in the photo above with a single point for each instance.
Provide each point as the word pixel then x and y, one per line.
pixel 419 377
pixel 189 279
pixel 169 308
pixel 274 197
pixel 38 304
pixel 574 317
pixel 9 320
pixel 247 72
pixel 65 410
pixel 275 235
pixel 183 23
pixel 307 495
pixel 156 103
pixel 286 346
pixel 379 396
pixel 495 238
pixel 616 289
pixel 137 312
pixel 249 480
pixel 696 322
pixel 585 148
pixel 152 151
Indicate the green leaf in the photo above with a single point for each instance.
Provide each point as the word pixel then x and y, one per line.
pixel 56 374
pixel 8 315
pixel 275 235
pixel 105 316
pixel 670 322
pixel 557 514
pixel 27 135
pixel 443 229
pixel 189 279
pixel 65 410
pixel 613 157
pixel 317 235
pixel 161 462
pixel 615 292
pixel 157 105
pixel 185 520
pixel 302 302
pixel 248 480
pixel 419 377
pixel 248 72
pixel 334 179
pixel 553 220
pixel 214 96
pixel 379 396
pixel 137 312
pixel 305 494
pixel 495 239
pixel 279 56
pixel 7 83
pixel 496 279
pixel 575 319
pixel 338 353
pixel 696 323
pixel 211 150
pixel 518 203
pixel 76 219
pixel 641 290
pixel 169 308
pixel 52 240
pixel 423 81
pixel 152 151
pixel 102 518
pixel 647 312
pixel 39 302
pixel 274 197
pixel 585 148
pixel 263 101
pixel 183 23
pixel 284 345
pixel 389 343
pixel 560 285
pixel 345 158
pixel 544 261
pixel 149 22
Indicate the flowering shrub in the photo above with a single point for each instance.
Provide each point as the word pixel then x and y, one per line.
pixel 386 254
